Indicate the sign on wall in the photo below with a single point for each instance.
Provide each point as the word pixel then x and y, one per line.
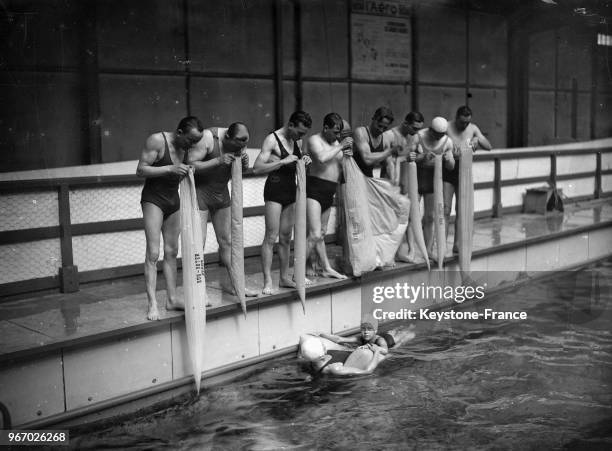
pixel 380 39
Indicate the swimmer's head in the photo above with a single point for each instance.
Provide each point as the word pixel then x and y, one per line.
pixel 312 349
pixel 439 126
pixel 368 331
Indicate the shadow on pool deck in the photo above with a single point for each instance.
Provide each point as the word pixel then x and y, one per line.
pixel 117 306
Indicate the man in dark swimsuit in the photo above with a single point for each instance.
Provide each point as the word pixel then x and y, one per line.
pixel 278 162
pixel 369 143
pixel 212 160
pixel 323 177
pixel 162 165
pixel 462 131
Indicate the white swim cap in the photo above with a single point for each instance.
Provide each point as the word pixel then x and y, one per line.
pixel 312 348
pixel 439 124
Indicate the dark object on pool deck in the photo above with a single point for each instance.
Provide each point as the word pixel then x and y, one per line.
pixel 543 199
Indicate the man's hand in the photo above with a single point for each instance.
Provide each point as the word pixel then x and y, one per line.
pixel 225 159
pixel 456 152
pixel 347 143
pixel 244 156
pixel 348 152
pixel 307 160
pixel 448 156
pixel 178 169
pixel 412 156
pixel 474 143
pixel 289 159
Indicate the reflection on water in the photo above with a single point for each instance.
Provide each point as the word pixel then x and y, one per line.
pixel 539 383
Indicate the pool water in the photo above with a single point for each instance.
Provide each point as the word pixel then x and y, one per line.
pixel 540 383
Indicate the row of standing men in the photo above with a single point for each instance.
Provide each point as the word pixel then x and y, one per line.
pixel 167 157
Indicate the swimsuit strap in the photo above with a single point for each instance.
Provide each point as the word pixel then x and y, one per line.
pixel 280 145
pixel 216 141
pixel 296 150
pixel 166 151
pixel 372 148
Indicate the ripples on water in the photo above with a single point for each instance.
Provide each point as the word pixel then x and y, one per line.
pixel 538 383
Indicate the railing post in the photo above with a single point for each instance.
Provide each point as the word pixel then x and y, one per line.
pixel 497 200
pixel 553 170
pixel 68 273
pixel 598 190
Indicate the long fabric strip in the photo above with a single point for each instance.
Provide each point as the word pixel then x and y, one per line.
pixel 439 210
pixel 299 233
pixel 237 253
pixel 465 210
pixel 194 281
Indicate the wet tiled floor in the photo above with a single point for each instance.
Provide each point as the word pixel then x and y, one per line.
pixel 104 307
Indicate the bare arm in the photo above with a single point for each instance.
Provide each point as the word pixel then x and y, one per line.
pixel 268 160
pixel 154 146
pixel 318 153
pixel 381 345
pixel 361 142
pixel 447 155
pixel 390 165
pixel 481 141
pixel 390 161
pixel 201 150
pixel 338 339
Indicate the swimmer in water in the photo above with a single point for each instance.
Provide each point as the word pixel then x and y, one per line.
pixel 338 362
pixel 370 339
pixel 328 355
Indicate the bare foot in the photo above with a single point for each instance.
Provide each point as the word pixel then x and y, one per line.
pixel 267 289
pixel 404 259
pixel 247 291
pixel 307 281
pixel 311 272
pixel 153 313
pixel 401 335
pixel 332 273
pixel 287 283
pixel 250 293
pixel 175 305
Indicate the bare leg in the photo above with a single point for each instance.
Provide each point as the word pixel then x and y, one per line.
pixel 221 220
pixel 170 232
pixel 313 217
pixel 402 334
pixel 153 219
pixel 428 221
pixel 318 240
pixel 287 221
pixel 455 239
pixel 273 213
